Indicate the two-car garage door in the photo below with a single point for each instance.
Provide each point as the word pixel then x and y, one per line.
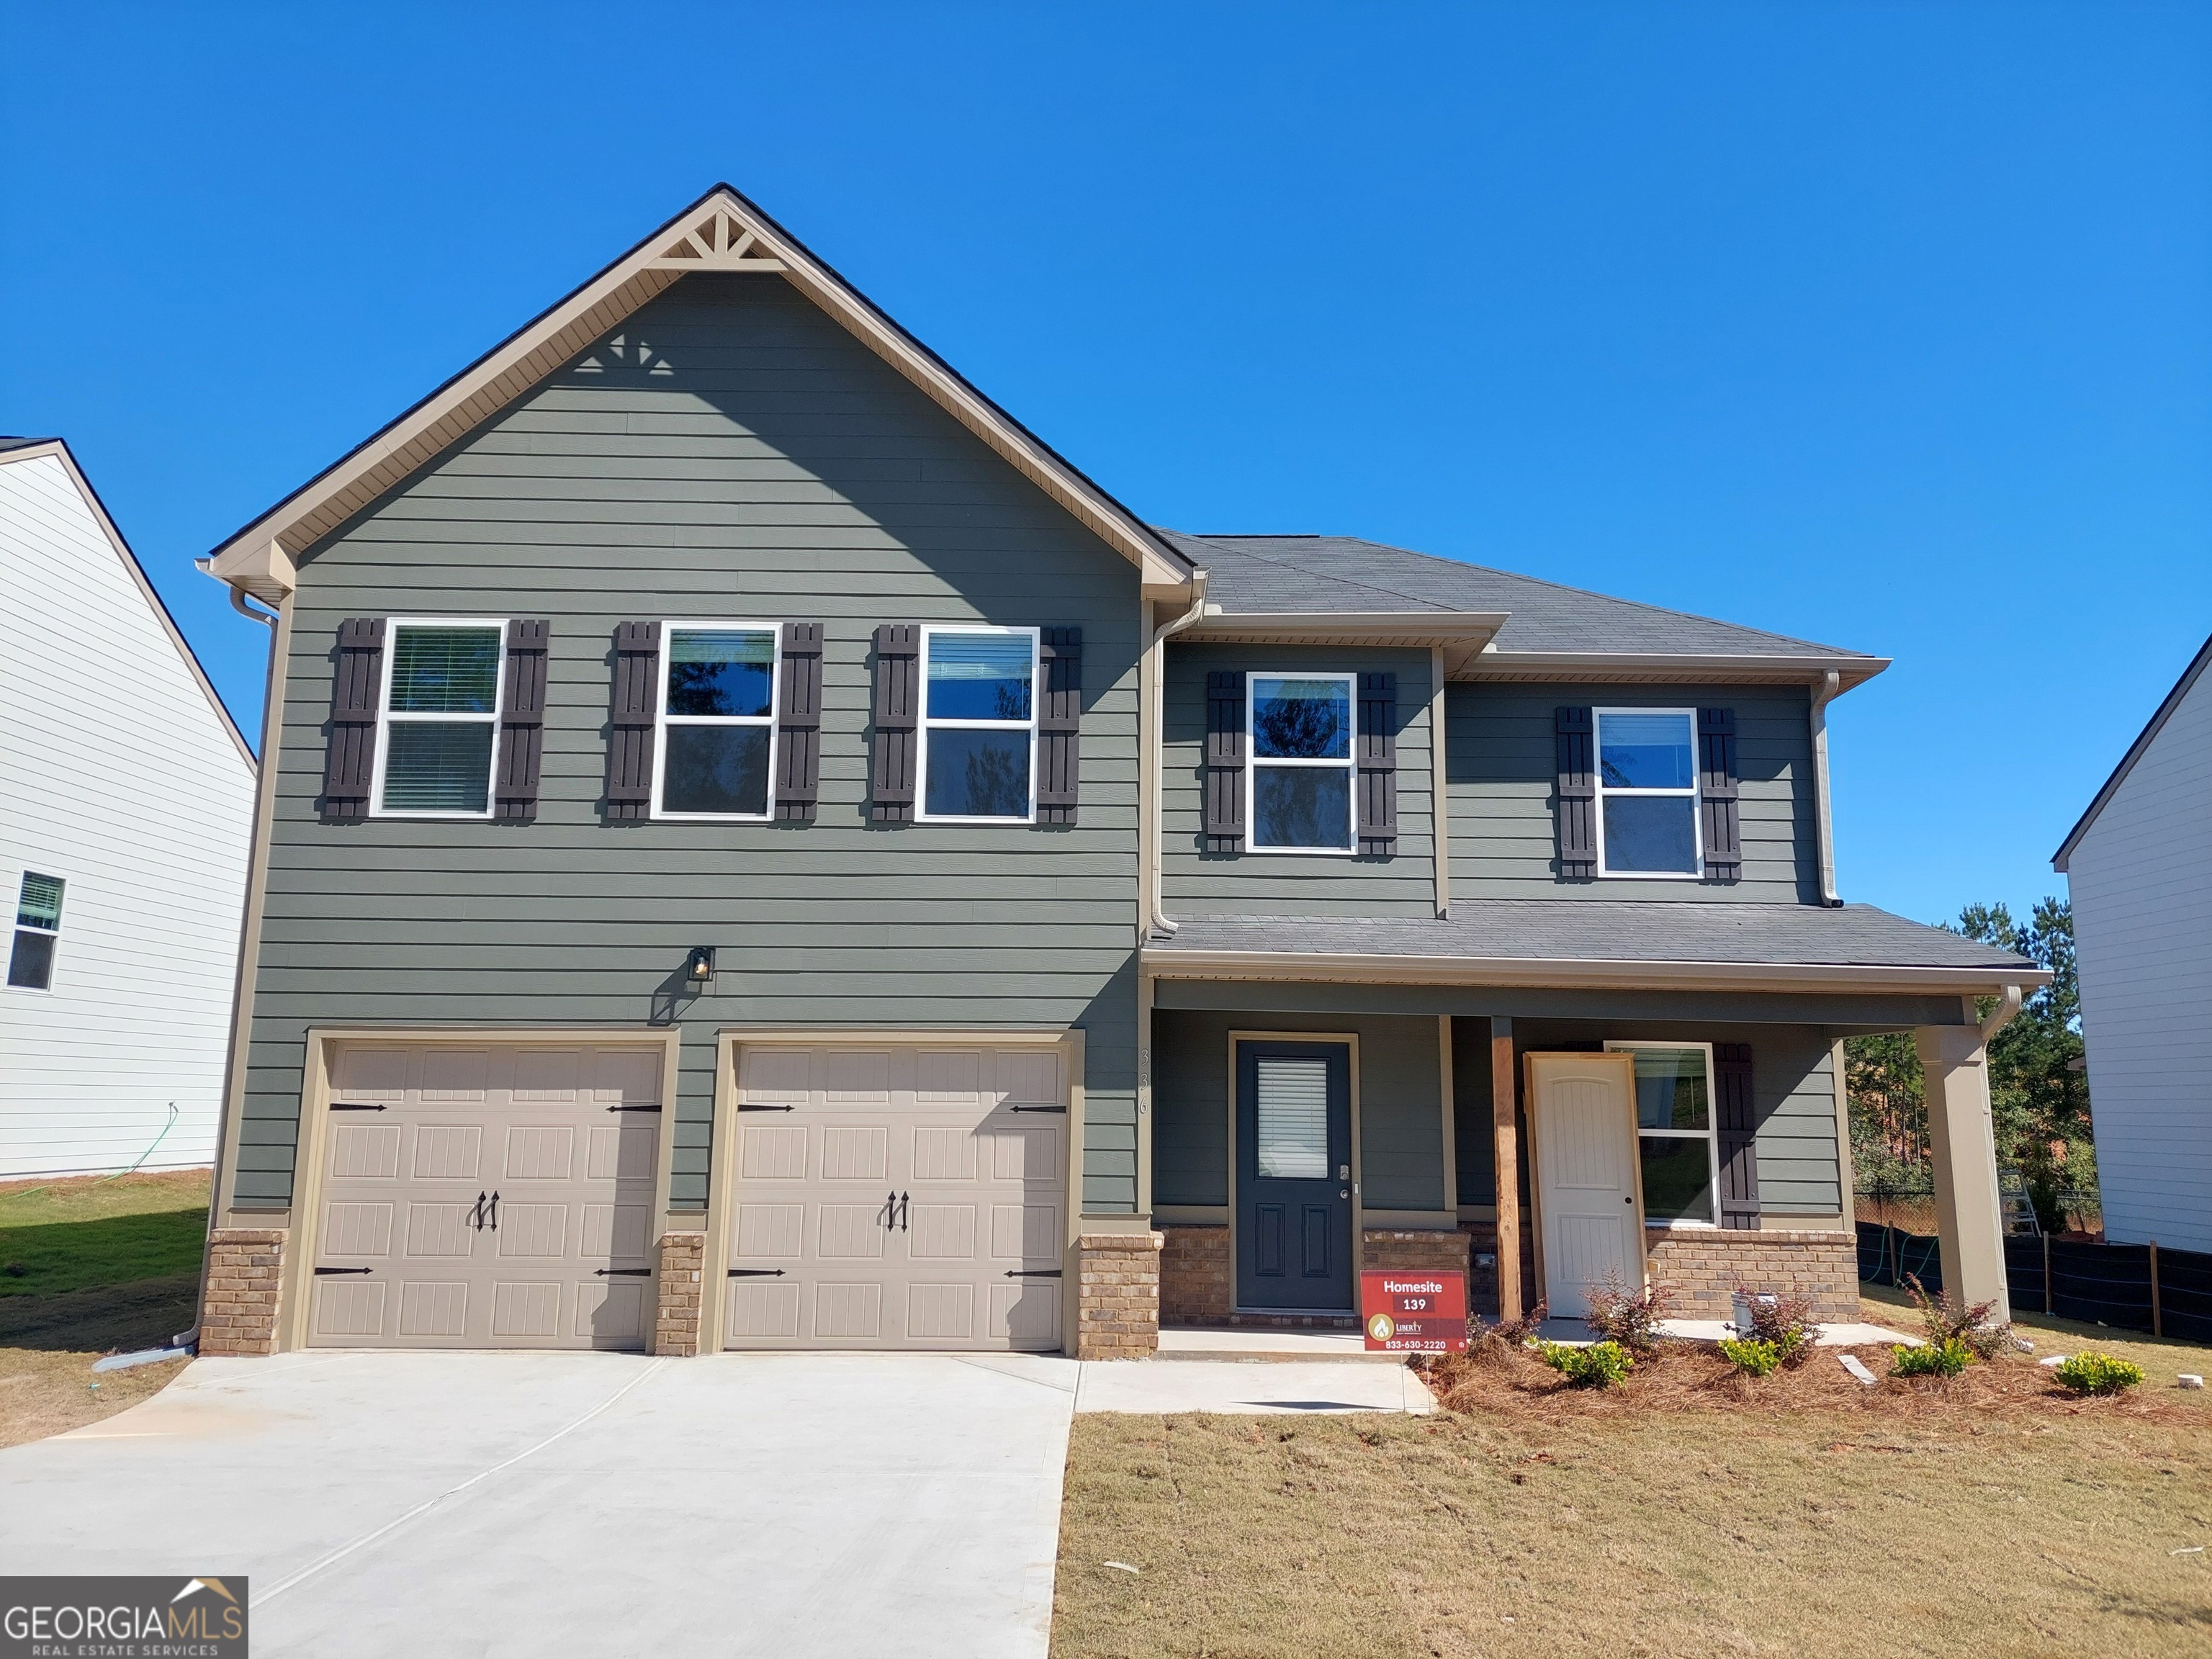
pixel 487 1197
pixel 898 1197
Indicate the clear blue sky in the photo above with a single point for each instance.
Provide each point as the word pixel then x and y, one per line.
pixel 1886 326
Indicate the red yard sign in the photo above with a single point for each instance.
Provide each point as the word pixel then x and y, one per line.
pixel 1414 1312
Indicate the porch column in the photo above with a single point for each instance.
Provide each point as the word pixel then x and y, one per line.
pixel 1505 1144
pixel 1962 1143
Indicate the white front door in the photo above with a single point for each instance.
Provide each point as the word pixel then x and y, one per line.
pixel 898 1197
pixel 1583 1122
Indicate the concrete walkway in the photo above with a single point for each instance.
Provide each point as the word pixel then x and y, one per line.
pixel 490 1504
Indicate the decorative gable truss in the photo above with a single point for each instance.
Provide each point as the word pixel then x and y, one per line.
pixel 719 242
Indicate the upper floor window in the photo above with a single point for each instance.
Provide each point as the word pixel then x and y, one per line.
pixel 1674 1145
pixel 1301 762
pixel 716 721
pixel 37 928
pixel 437 736
pixel 978 724
pixel 1647 790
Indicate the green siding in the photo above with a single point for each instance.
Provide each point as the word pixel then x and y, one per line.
pixel 1196 883
pixel 728 453
pixel 1401 1105
pixel 1502 761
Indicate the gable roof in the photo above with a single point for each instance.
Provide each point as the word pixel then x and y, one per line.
pixel 1546 628
pixel 722 231
pixel 15 450
pixel 2136 750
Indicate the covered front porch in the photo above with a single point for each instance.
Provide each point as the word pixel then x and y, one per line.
pixel 1310 1114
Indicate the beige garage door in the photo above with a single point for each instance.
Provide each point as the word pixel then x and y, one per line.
pixel 490 1197
pixel 898 1198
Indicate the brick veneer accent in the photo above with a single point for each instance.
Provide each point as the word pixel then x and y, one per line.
pixel 1404 1250
pixel 238 1310
pixel 679 1288
pixel 1194 1284
pixel 1703 1268
pixel 1481 1238
pixel 1117 1295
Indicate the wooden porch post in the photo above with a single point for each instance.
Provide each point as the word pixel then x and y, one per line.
pixel 1506 1156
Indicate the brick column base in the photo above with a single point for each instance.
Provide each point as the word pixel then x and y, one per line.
pixel 1194 1276
pixel 1117 1296
pixel 1702 1268
pixel 238 1310
pixel 679 1288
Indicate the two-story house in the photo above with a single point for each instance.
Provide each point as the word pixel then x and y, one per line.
pixel 756 850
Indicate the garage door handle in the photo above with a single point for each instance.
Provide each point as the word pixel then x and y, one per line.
pixel 1061 1110
pixel 331 1273
pixel 1033 1272
pixel 338 1106
pixel 614 1108
pixel 766 1108
pixel 756 1273
pixel 621 1272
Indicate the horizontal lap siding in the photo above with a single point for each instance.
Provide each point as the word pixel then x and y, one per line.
pixel 728 453
pixel 1400 1108
pixel 1503 765
pixel 1200 884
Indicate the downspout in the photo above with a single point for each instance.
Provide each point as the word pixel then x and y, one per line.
pixel 1157 922
pixel 2001 1016
pixel 1824 693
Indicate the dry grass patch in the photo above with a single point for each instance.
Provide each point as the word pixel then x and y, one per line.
pixel 106 1267
pixel 1685 1512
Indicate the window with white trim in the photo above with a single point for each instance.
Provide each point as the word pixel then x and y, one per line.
pixel 38 933
pixel 1675 1149
pixel 1300 775
pixel 979 724
pixel 714 733
pixel 438 727
pixel 1647 792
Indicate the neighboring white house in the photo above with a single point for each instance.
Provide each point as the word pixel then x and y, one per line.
pixel 126 806
pixel 2139 865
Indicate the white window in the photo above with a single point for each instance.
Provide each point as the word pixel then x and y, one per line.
pixel 438 738
pixel 1647 792
pixel 1300 775
pixel 1675 1148
pixel 714 731
pixel 37 932
pixel 979 724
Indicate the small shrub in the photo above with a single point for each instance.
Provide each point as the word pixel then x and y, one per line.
pixel 1946 1319
pixel 1783 1319
pixel 1599 1365
pixel 1630 1318
pixel 1945 1358
pixel 2097 1373
pixel 1493 1343
pixel 1750 1355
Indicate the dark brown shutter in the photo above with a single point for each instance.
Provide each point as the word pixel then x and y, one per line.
pixel 1736 1118
pixel 799 722
pixel 898 711
pixel 629 735
pixel 1577 793
pixel 349 763
pixel 522 721
pixel 1377 764
pixel 1717 794
pixel 1060 725
pixel 1225 761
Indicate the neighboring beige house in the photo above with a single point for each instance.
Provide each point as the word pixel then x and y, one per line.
pixel 2139 865
pixel 127 802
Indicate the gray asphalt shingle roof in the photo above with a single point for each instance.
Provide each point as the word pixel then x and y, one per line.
pixel 1338 573
pixel 1611 930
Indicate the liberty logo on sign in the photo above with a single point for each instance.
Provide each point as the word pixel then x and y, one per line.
pixel 122 1618
pixel 1414 1313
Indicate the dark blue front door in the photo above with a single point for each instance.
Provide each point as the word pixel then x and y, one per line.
pixel 1294 1176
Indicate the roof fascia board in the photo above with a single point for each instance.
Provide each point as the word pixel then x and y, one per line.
pixel 1579 973
pixel 524 358
pixel 2136 750
pixel 1725 668
pixel 60 450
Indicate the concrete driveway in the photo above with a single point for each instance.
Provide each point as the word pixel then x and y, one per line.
pixel 496 1504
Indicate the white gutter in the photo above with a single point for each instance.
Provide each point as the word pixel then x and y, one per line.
pixel 1825 691
pixel 1155 736
pixel 2003 1015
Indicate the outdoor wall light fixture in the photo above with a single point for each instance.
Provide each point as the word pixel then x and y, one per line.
pixel 699 966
